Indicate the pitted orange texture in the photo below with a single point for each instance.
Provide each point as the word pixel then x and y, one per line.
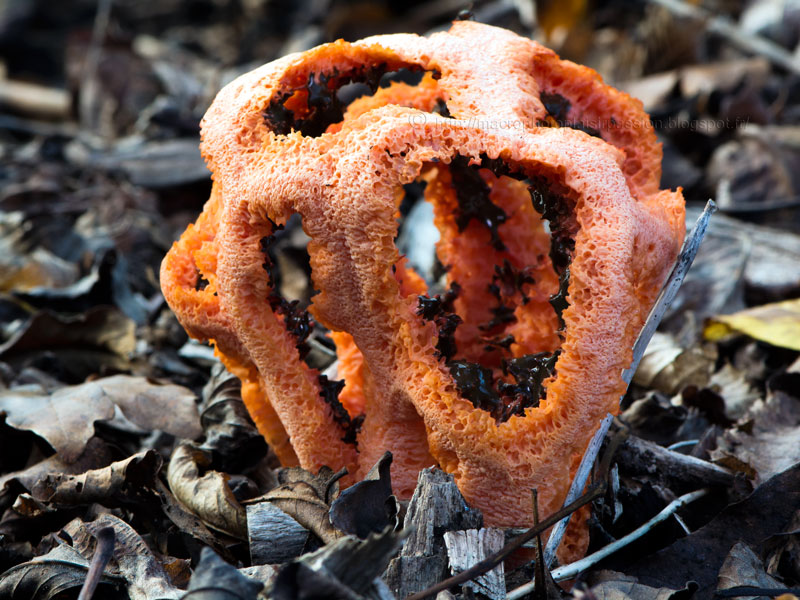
pixel 479 105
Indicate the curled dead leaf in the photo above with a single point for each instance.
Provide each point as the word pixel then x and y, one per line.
pixel 229 431
pixel 307 499
pixel 101 327
pixel 668 367
pixel 64 418
pixel 610 585
pixel 119 483
pixel 783 551
pixel 205 493
pixel 347 568
pixel 190 524
pixel 96 455
pixel 23 269
pixel 369 505
pixel 152 405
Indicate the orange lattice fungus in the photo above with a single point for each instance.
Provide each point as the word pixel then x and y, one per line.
pixel 555 239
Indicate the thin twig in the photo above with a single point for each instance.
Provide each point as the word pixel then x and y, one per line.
pixel 665 298
pixel 682 523
pixel 723 27
pixel 491 562
pixel 749 590
pixel 88 93
pixel 685 259
pixel 578 483
pixel 539 572
pixel 682 444
pixel 571 570
pixel 102 554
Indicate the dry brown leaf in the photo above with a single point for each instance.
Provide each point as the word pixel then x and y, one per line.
pixel 736 260
pixel 190 523
pixel 100 327
pixel 764 513
pixel 782 551
pixel 151 405
pixel 216 579
pixel 300 501
pixel 732 385
pixel 205 493
pixel 714 284
pixel 346 568
pixel 654 90
pixel 30 508
pixel 229 432
pixel 743 567
pixel 610 585
pixel 668 367
pixel 772 443
pixel 22 269
pixel 369 505
pixel 724 76
pixel 66 417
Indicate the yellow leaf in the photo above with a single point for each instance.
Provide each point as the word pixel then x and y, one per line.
pixel 777 324
pixel 553 14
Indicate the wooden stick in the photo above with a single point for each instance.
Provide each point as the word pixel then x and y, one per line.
pixel 106 538
pixel 672 469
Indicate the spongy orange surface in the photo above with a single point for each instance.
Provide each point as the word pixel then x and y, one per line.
pixel 346 184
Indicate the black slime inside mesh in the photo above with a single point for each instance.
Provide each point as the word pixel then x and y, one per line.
pixel 326 105
pixel 474 381
pixel 557 107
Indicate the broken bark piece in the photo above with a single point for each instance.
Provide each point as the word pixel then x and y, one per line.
pixel 213 574
pixel 263 573
pixel 346 568
pixel 274 536
pixel 436 507
pixel 467 548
